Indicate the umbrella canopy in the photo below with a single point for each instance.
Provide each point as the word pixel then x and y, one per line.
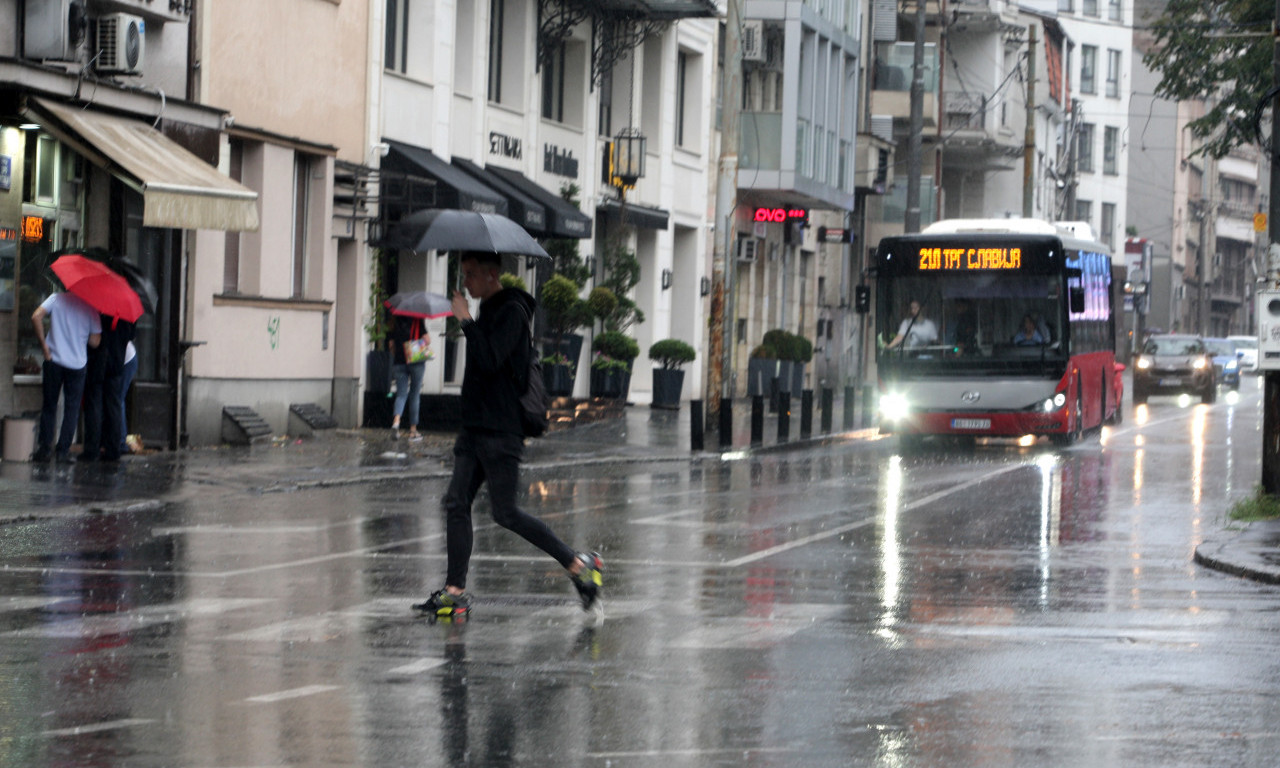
pixel 139 282
pixel 420 304
pixel 447 229
pixel 99 287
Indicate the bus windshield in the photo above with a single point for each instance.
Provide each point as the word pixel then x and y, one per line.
pixel 967 318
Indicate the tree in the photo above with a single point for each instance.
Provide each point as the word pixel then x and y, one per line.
pixel 1207 51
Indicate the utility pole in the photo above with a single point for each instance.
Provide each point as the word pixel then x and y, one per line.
pixel 720 357
pixel 1029 145
pixel 1271 378
pixel 911 221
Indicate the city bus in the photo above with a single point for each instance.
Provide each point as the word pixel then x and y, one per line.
pixel 1014 337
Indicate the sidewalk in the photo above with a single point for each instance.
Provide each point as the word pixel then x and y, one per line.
pixel 148 481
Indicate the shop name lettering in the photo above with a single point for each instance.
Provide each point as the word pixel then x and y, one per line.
pixel 505 146
pixel 559 161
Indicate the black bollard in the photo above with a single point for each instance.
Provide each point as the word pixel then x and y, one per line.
pixel 850 398
pixel 757 420
pixel 775 391
pixel 696 426
pixel 806 414
pixel 726 422
pixel 784 417
pixel 828 398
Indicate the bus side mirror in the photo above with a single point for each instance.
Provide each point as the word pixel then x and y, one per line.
pixel 1077 299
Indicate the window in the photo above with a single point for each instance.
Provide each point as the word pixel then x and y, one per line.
pixel 1067 6
pixel 1084 148
pixel 1084 211
pixel 1088 68
pixel 301 203
pixel 397 36
pixel 682 93
pixel 1107 234
pixel 1113 73
pixel 688 97
pixel 497 12
pixel 553 84
pixel 1113 10
pixel 604 120
pixel 1110 150
pixel 1089 7
pixel 231 253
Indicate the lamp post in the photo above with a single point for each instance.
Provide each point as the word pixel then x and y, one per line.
pixel 628 159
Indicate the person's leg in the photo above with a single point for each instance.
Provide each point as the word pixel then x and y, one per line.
pixel 72 390
pixel 415 394
pixel 111 417
pixel 467 477
pixel 130 368
pixel 402 392
pixel 94 394
pixel 51 387
pixel 499 457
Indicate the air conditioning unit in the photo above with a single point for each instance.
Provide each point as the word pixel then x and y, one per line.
pixel 747 249
pixel 54 29
pixel 121 39
pixel 753 40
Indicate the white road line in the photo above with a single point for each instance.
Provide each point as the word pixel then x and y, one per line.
pixel 418 667
pixel 16 603
pixel 110 725
pixel 744 751
pixel 293 693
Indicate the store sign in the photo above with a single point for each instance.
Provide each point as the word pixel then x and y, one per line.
pixel 835 235
pixel 32 229
pixel 6 172
pixel 781 215
pixel 559 161
pixel 505 146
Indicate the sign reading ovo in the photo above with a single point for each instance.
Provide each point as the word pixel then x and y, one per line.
pixel 781 215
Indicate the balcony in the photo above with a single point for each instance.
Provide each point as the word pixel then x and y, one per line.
pixel 891 87
pixel 981 16
pixel 978 139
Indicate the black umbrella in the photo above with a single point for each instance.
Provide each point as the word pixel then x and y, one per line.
pixel 447 229
pixel 138 281
pixel 420 304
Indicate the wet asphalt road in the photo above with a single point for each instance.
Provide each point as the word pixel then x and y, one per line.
pixel 834 606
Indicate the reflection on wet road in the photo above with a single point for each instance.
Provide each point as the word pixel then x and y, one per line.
pixel 832 606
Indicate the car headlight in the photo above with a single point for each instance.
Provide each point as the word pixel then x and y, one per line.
pixel 894 406
pixel 1230 365
pixel 1200 364
pixel 1143 363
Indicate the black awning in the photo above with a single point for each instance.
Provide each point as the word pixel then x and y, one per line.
pixel 454 188
pixel 564 219
pixel 634 215
pixel 521 208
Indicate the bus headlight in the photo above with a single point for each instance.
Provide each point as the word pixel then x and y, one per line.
pixel 894 406
pixel 1052 404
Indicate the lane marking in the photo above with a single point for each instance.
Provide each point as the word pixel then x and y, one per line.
pixel 744 751
pixel 135 619
pixel 110 725
pixel 293 693
pixel 418 667
pixel 16 603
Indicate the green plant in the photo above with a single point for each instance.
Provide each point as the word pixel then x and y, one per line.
pixel 1260 506
pixel 672 353
pixel 509 280
pixel 565 311
pixel 616 345
pixel 765 352
pixel 564 251
pixel 602 302
pixel 621 275
pixel 378 324
pixel 802 349
pixel 610 365
pixel 787 346
pixel 556 358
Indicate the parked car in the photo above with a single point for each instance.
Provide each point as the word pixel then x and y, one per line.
pixel 1174 364
pixel 1249 346
pixel 1226 358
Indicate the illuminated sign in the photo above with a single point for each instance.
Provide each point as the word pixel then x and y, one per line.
pixel 781 215
pixel 32 229
pixel 935 259
pixel 835 235
pixel 8 233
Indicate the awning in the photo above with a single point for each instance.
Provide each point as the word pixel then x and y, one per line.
pixel 454 187
pixel 179 190
pixel 521 208
pixel 564 219
pixel 634 215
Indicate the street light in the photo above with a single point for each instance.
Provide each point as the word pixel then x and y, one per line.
pixel 628 158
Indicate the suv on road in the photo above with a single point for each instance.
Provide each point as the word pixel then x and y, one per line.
pixel 1175 364
pixel 1226 358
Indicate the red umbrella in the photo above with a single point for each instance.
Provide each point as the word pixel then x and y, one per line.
pixel 99 287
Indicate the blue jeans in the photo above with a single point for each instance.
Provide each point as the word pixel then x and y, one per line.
pixel 70 383
pixel 130 369
pixel 408 386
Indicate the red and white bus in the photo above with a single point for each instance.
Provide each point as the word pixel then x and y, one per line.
pixel 1015 335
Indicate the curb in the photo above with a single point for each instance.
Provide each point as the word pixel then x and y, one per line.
pixel 1239 554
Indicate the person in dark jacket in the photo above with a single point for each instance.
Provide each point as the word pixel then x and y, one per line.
pixel 491 442
pixel 103 418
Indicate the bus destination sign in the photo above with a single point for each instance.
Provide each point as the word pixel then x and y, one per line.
pixel 964 259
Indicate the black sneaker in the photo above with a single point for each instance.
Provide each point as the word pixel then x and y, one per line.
pixel 589 580
pixel 442 604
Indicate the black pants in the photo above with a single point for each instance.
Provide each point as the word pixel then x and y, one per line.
pixel 494 458
pixel 102 417
pixel 70 383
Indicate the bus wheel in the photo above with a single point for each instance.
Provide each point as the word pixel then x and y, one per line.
pixel 1076 433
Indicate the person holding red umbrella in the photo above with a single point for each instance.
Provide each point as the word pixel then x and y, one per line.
pixel 74 327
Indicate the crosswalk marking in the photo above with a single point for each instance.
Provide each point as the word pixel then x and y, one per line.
pixel 292 693
pixel 16 603
pixel 418 667
pixel 109 725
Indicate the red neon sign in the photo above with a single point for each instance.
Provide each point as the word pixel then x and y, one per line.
pixel 781 215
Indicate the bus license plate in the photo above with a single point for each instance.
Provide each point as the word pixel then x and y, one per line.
pixel 971 423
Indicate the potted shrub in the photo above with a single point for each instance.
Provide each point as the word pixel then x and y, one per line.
pixel 801 353
pixel 611 364
pixel 668 381
pixel 565 313
pixel 783 346
pixel 762 368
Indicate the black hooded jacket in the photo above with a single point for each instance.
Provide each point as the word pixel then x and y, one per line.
pixel 497 362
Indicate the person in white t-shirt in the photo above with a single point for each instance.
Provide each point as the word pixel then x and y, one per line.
pixel 915 331
pixel 74 326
